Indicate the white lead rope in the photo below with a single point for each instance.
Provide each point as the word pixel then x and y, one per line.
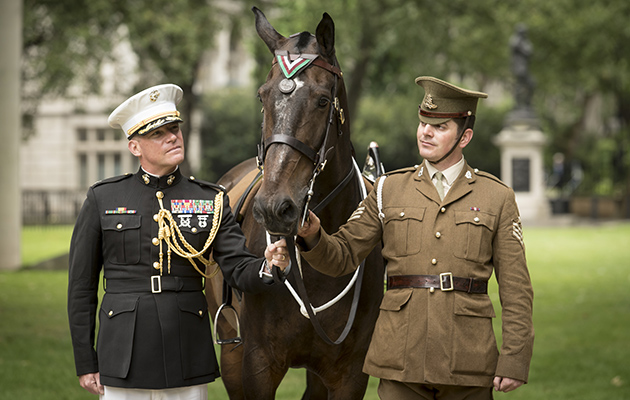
pixel 299 261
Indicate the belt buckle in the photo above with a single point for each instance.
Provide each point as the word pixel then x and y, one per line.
pixel 156 281
pixel 449 280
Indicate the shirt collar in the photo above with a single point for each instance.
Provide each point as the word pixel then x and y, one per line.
pixel 450 174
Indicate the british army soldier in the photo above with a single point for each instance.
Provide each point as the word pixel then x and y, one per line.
pixel 152 233
pixel 445 228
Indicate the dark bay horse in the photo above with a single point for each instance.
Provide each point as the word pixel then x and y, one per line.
pixel 305 135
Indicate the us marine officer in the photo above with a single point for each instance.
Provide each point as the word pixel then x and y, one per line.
pixel 446 228
pixel 151 233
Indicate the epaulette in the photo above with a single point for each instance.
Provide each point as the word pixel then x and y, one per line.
pixel 489 176
pixel 402 170
pixel 200 182
pixel 113 179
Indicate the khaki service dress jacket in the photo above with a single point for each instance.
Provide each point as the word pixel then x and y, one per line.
pixel 154 332
pixel 441 337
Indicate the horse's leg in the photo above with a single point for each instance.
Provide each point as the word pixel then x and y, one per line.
pixel 261 374
pixel 232 370
pixel 315 388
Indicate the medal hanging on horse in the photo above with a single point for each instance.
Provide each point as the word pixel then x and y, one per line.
pixel 291 65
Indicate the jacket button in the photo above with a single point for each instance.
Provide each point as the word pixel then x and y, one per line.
pixel 438 235
pixel 431 290
pixel 476 219
pixel 434 261
pixel 155 241
pixel 110 313
pixel 402 213
pixel 194 230
pixel 156 265
pixel 443 209
pixel 155 217
pixel 200 312
pixel 159 195
pixel 119 226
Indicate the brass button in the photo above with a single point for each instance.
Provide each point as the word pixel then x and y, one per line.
pixel 476 219
pixel 431 290
pixel 159 195
pixel 438 235
pixel 156 265
pixel 155 217
pixel 110 313
pixel 402 213
pixel 443 209
pixel 194 230
pixel 434 261
pixel 200 312
pixel 119 226
pixel 155 241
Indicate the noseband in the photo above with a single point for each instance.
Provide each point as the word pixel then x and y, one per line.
pixel 317 157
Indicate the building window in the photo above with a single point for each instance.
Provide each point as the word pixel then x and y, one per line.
pixel 100 155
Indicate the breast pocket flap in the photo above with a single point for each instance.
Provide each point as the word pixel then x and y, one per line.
pixel 475 218
pixel 120 222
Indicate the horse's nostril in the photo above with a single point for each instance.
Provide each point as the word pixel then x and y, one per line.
pixel 286 210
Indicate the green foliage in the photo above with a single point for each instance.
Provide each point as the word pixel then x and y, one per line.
pixel 230 130
pixel 580 61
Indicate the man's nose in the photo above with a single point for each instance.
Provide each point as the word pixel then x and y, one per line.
pixel 427 130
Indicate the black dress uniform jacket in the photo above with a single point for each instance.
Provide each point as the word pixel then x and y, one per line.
pixel 149 340
pixel 440 337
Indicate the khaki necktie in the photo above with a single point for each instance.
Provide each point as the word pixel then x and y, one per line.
pixel 439 185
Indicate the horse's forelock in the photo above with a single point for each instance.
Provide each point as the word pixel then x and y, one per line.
pixel 304 39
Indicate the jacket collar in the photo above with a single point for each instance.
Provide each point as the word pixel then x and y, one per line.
pixel 159 182
pixel 460 188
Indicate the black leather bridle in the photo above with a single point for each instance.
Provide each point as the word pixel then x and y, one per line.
pixel 319 160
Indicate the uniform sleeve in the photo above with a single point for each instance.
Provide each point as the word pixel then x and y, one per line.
pixel 240 267
pixel 342 252
pixel 83 278
pixel 516 294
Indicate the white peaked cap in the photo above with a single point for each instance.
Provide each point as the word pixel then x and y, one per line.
pixel 148 110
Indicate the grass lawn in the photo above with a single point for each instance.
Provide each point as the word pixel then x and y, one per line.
pixel 581 279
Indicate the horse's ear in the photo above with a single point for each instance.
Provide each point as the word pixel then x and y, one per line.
pixel 267 33
pixel 326 36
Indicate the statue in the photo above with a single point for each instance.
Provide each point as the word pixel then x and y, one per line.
pixel 521 52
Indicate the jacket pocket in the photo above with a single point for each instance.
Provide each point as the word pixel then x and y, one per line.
pixel 196 344
pixel 474 345
pixel 115 339
pixel 389 341
pixel 475 231
pixel 403 230
pixel 121 238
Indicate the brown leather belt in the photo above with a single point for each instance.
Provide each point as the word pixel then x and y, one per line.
pixel 446 282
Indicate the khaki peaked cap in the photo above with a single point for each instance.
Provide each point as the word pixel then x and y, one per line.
pixel 444 101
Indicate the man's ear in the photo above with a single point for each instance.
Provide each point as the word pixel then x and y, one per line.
pixel 466 138
pixel 134 147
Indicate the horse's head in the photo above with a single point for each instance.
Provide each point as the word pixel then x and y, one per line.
pixel 300 123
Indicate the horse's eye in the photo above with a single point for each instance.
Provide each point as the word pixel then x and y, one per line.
pixel 258 97
pixel 323 102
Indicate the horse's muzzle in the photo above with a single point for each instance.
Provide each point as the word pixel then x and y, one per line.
pixel 279 215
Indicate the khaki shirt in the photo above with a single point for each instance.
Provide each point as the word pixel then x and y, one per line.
pixel 441 337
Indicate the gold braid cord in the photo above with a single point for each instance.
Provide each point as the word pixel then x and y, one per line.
pixel 169 232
